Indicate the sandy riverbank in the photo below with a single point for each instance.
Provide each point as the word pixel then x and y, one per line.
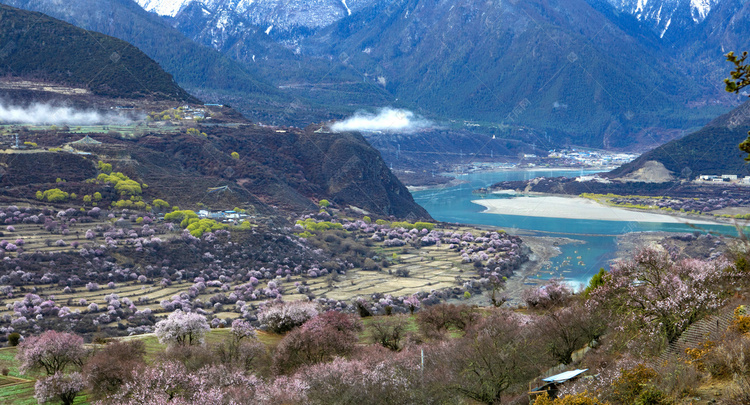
pixel 452 183
pixel 575 208
pixel 543 248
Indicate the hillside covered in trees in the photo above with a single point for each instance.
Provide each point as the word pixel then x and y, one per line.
pixel 38 47
pixel 710 150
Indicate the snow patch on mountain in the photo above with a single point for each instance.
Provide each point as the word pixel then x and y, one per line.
pixel 348 11
pixel 163 7
pixel 666 27
pixel 700 8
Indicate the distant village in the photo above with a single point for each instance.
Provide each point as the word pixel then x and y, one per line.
pixel 566 158
pixel 723 179
pixel 588 158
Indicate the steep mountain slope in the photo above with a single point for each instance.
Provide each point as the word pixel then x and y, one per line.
pixel 544 64
pixel 201 70
pixel 724 30
pixel 711 150
pixel 334 87
pixel 289 170
pixel 39 48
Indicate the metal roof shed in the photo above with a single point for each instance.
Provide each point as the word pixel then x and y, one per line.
pixel 551 383
pixel 563 377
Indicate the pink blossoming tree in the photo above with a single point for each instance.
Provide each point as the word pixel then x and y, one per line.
pixel 51 351
pixel 661 296
pixel 182 328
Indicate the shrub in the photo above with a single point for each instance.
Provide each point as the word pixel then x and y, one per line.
pixel 107 370
pixel 738 392
pixel 14 338
pixel 731 356
pixel 741 320
pixel 578 399
pixel 319 340
pixel 389 331
pixel 370 264
pixel 678 378
pixel 632 383
pixel 435 321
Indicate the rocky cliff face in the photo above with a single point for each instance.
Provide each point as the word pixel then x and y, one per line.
pixel 348 169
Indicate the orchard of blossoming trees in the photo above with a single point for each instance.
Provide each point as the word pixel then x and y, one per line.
pixel 118 270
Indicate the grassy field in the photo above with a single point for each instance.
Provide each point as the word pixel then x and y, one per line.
pixel 19 389
pixel 16 388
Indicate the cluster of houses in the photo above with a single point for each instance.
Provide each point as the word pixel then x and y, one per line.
pixel 190 113
pixel 724 178
pixel 224 216
pixel 577 157
pixel 593 177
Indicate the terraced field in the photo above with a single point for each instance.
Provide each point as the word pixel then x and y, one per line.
pixel 431 267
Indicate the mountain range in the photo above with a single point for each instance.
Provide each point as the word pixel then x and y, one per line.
pixel 600 73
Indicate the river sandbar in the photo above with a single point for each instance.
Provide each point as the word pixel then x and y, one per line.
pixel 574 208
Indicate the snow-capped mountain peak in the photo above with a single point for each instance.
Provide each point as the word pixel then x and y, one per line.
pixel 663 15
pixel 163 7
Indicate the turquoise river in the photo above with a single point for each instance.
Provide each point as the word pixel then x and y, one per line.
pixel 578 262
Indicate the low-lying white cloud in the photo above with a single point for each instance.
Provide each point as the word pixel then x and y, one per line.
pixel 386 120
pixel 48 114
